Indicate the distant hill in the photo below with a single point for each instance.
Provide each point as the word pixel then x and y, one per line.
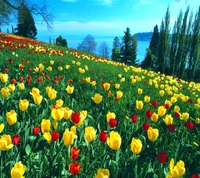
pixel 143 36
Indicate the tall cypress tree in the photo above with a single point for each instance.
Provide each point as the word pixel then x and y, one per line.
pixel 26 25
pixel 194 54
pixel 164 43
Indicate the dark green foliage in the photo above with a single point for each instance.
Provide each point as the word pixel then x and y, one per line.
pixel 61 42
pixel 26 25
pixel 116 49
pixel 194 53
pixel 128 48
pixel 152 51
pixel 88 44
pixel 164 43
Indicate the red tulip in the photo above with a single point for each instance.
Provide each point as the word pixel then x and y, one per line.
pixel 134 118
pixel 55 136
pixel 103 136
pixel 36 130
pixel 112 123
pixel 145 126
pixel 162 157
pixel 16 139
pixel 75 117
pixel 74 168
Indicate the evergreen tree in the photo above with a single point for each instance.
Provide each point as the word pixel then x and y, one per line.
pixel 164 43
pixel 88 44
pixel 26 25
pixel 152 51
pixel 128 48
pixel 116 49
pixel 61 41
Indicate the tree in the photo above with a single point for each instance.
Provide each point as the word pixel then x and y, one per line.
pixel 61 42
pixel 128 48
pixel 194 52
pixel 26 25
pixel 164 43
pixel 10 7
pixel 88 44
pixel 152 51
pixel 104 50
pixel 116 49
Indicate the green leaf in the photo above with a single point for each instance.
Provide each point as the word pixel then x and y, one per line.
pixel 28 149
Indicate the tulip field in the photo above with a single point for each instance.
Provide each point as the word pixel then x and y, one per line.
pixel 65 113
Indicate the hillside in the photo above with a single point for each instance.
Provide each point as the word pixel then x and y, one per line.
pixel 66 113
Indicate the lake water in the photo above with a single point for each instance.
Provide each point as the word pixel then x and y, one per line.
pixel 74 41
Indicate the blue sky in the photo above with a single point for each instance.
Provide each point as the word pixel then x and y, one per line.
pixel 110 17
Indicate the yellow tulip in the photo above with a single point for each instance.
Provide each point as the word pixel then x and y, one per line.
pixel 176 171
pixel 114 141
pixel 59 103
pixel 154 117
pixel 11 117
pixel 122 79
pixel 68 137
pixel 87 79
pixel 73 129
pixel 35 91
pixel 197 121
pixel 184 116
pixel 173 99
pixel 18 170
pixel 119 75
pixel 161 92
pixel 1 127
pixel 67 67
pixel 97 98
pixel 49 68
pixel 4 78
pixel 146 99
pixel 51 93
pixel 161 111
pixel 51 62
pixel 119 94
pixel 176 108
pixel 11 87
pixel 57 114
pixel 106 86
pixel 117 86
pixel 23 104
pixel 47 137
pixel 152 134
pixel 45 125
pixel 136 146
pixel 67 113
pixel 139 104
pixel 102 173
pixel 140 91
pixel 90 133
pixel 168 119
pixel 5 92
pixel 37 98
pixel 21 86
pixel 41 67
pixel 69 89
pixel 93 83
pixel 110 115
pixel 5 142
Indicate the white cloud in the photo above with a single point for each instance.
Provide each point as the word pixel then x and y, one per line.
pixel 104 2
